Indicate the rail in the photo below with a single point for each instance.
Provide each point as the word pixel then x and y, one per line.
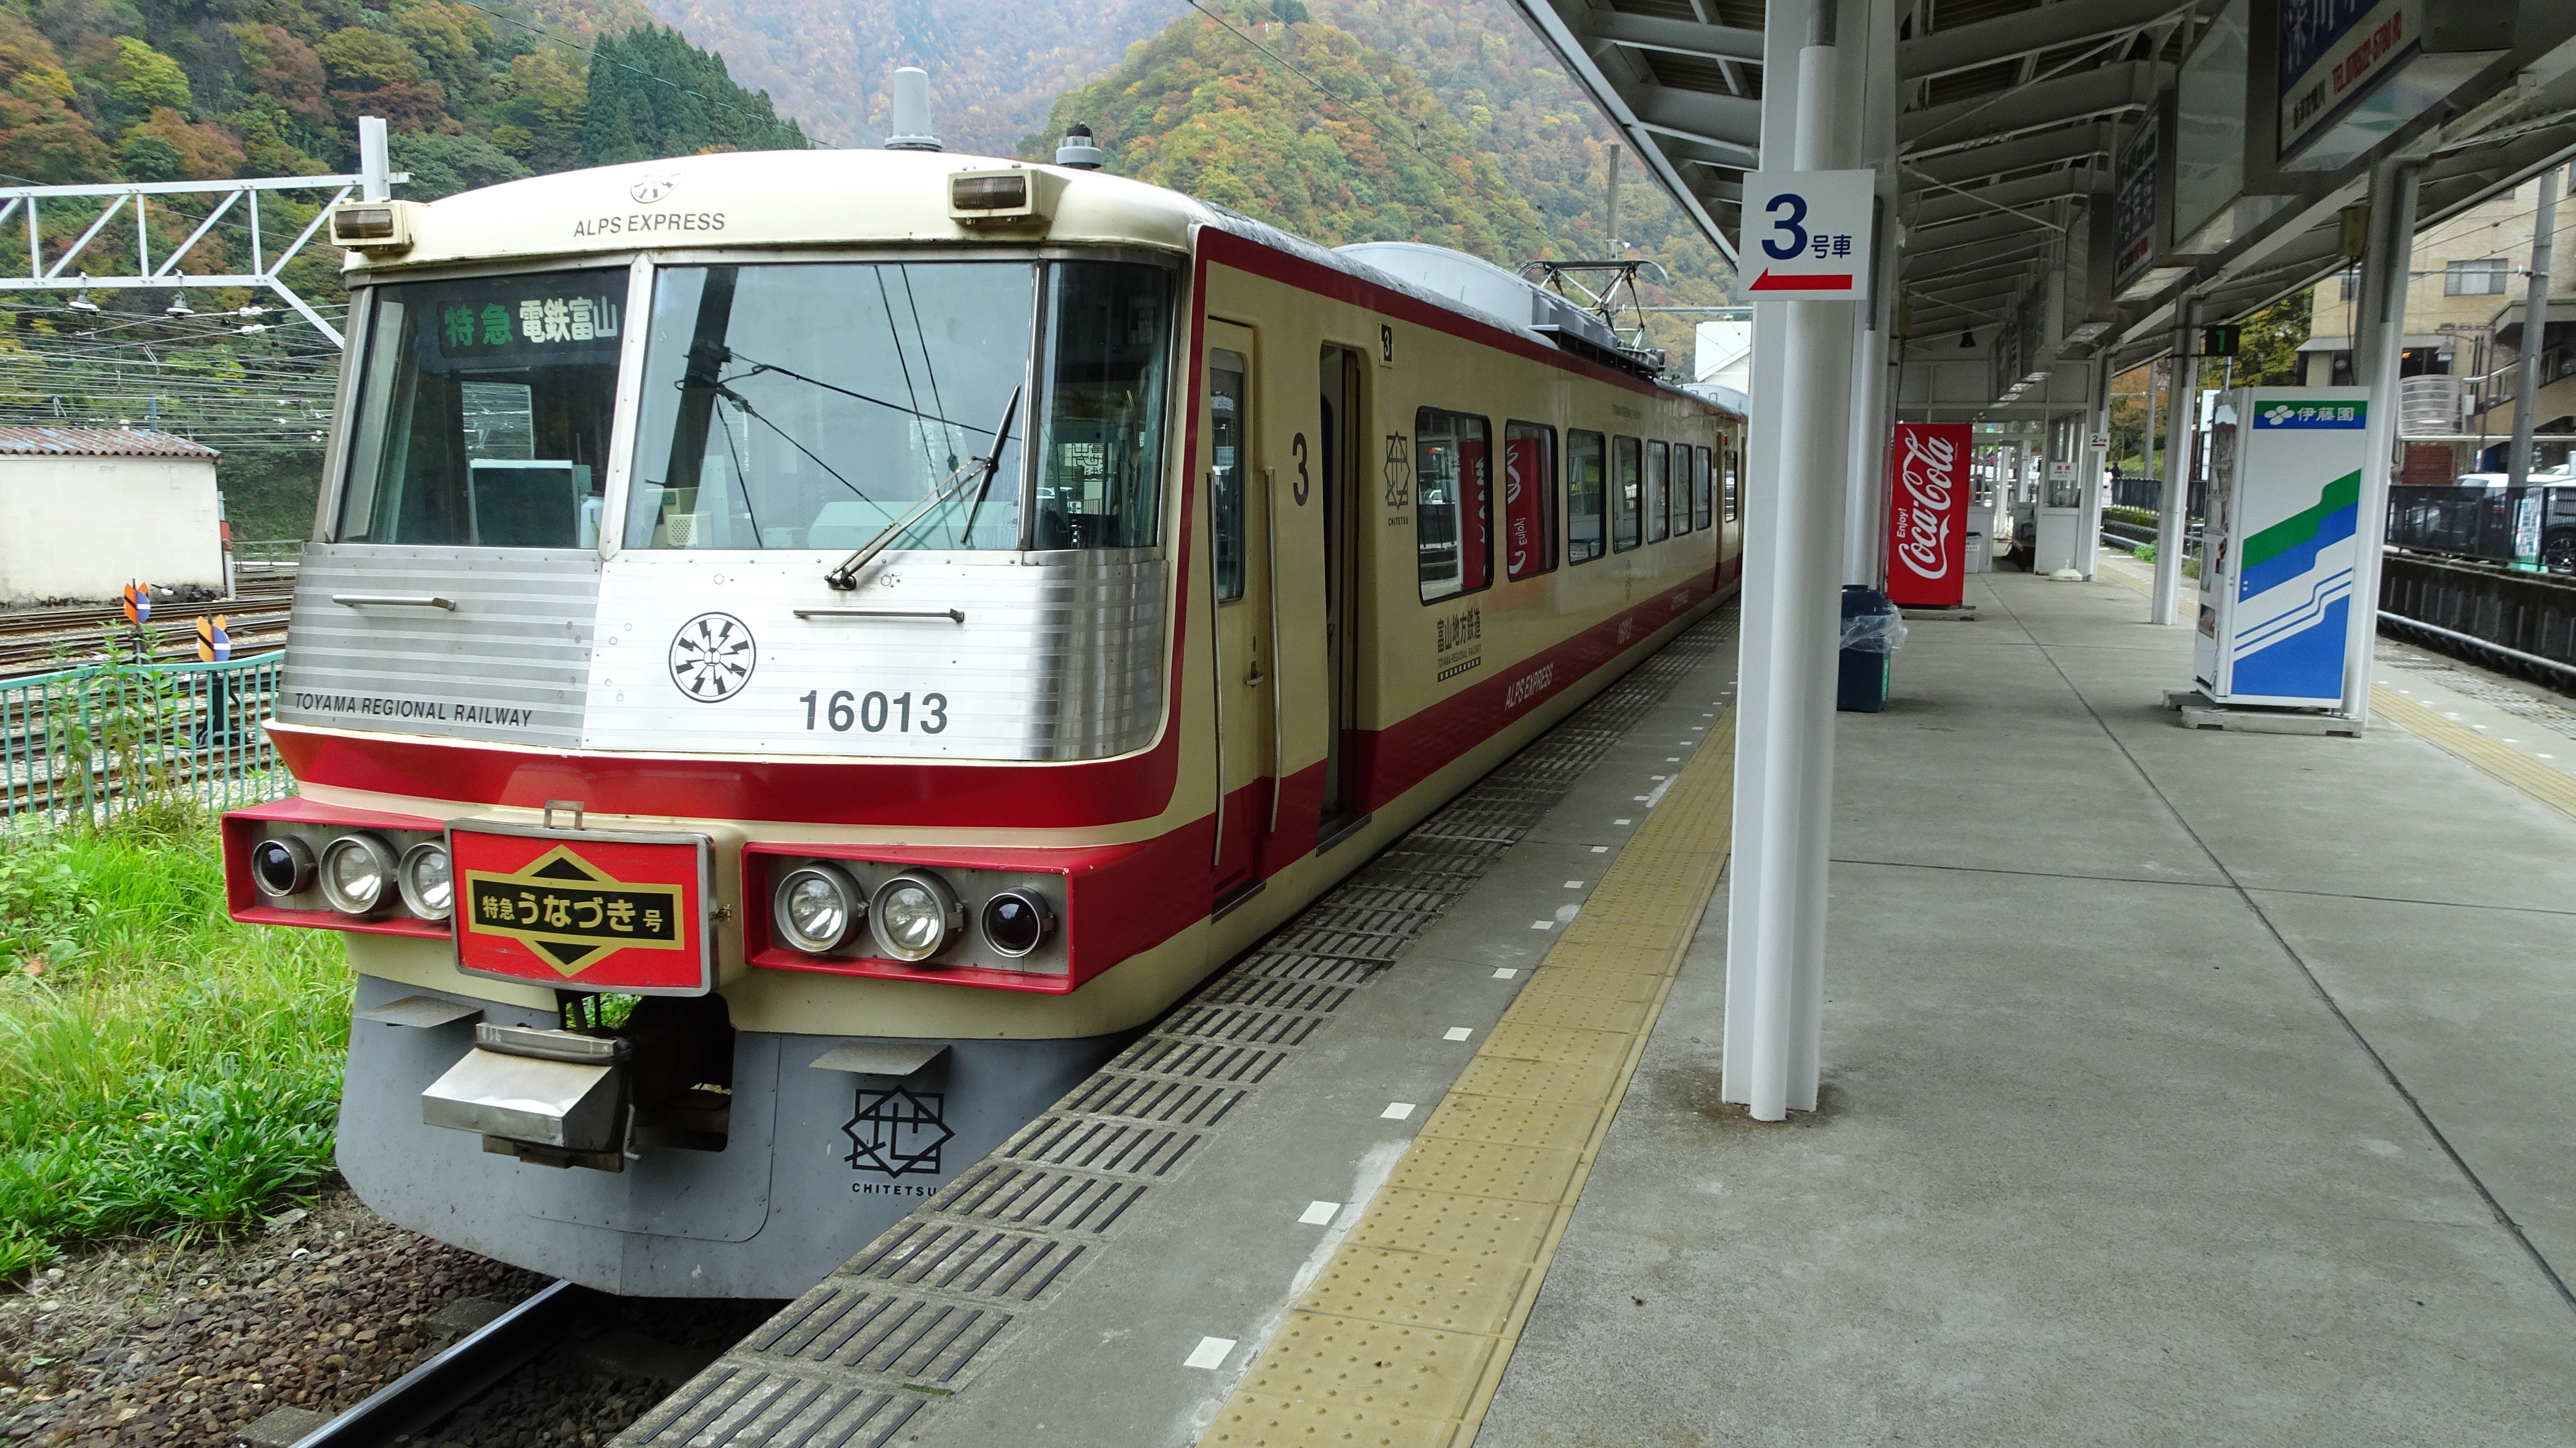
pixel 412 1404
pixel 81 744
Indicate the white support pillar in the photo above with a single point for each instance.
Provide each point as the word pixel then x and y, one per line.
pixel 1872 382
pixel 2092 468
pixel 2172 509
pixel 2385 271
pixel 1794 555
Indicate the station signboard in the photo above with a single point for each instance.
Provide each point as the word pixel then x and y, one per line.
pixel 1808 235
pixel 2350 72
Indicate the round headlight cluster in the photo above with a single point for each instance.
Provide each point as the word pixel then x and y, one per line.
pixel 281 865
pixel 427 877
pixel 915 916
pixel 816 907
pixel 356 871
pixel 1016 922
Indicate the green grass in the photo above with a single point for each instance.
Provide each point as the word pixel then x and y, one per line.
pixel 161 1068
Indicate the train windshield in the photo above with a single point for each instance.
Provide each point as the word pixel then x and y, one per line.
pixel 816 405
pixel 483 411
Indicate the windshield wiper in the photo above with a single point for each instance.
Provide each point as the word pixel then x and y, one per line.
pixel 846 577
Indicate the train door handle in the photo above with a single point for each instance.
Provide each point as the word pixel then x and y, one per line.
pixel 1256 676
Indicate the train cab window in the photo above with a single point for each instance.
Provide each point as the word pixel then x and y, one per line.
pixel 1226 426
pixel 1529 499
pixel 1659 492
pixel 483 412
pixel 1584 511
pixel 1685 475
pixel 1453 507
pixel 1100 461
pixel 1703 513
pixel 815 405
pixel 1626 483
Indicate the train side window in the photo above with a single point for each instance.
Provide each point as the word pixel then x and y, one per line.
pixel 1226 424
pixel 1703 514
pixel 1734 482
pixel 1626 482
pixel 1685 478
pixel 1659 492
pixel 1584 518
pixel 1529 499
pixel 1453 506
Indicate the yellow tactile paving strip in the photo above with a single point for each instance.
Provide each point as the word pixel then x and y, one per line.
pixel 1403 1338
pixel 2509 765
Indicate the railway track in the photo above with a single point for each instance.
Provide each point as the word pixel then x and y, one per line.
pixel 572 1363
pixel 35 641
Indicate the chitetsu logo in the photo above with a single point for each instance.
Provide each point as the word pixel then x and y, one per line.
pixel 653 188
pixel 897 1133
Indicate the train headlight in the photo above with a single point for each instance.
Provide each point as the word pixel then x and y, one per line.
pixel 281 865
pixel 915 916
pixel 815 908
pixel 428 880
pixel 1017 922
pixel 355 871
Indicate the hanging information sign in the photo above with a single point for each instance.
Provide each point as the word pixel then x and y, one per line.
pixel 1807 234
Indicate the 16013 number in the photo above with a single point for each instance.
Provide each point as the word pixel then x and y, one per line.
pixel 874 712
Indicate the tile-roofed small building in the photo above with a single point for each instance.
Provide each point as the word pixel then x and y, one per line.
pixel 98 442
pixel 86 510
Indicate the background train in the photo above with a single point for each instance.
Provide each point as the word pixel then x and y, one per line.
pixel 802 652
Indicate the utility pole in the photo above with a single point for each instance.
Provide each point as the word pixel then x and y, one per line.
pixel 1616 150
pixel 2535 329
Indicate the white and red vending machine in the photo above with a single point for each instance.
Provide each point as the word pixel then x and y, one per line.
pixel 1927 514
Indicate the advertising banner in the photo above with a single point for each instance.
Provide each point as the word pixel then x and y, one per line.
pixel 1927 523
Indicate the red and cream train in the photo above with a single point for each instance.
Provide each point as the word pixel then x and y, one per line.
pixel 800 651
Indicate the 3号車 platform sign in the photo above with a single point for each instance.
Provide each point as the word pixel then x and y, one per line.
pixel 583 909
pixel 1808 234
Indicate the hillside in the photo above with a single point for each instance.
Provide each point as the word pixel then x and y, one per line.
pixel 1445 136
pixel 995 65
pixel 997 70
pixel 166 90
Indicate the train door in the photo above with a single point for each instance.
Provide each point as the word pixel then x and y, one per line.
pixel 1244 638
pixel 1337 440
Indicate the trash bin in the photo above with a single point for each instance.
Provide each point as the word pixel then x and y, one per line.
pixel 1873 628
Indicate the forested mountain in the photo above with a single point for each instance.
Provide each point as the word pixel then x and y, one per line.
pixel 995 65
pixel 165 90
pixel 1425 121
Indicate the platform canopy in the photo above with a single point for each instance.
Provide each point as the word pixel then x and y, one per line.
pixel 2065 170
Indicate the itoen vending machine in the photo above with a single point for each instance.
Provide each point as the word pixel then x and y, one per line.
pixel 2279 546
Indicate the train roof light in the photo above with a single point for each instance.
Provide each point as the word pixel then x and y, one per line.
pixel 1000 198
pixel 375 227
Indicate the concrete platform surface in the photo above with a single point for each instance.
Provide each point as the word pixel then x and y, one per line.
pixel 2182 1087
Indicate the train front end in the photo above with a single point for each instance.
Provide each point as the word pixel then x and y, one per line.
pixel 731 690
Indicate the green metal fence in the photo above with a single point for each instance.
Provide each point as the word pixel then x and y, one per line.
pixel 86 742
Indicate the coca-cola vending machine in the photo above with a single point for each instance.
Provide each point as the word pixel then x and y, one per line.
pixel 1927 514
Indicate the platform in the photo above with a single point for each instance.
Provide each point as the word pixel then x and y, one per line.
pixel 2181 1086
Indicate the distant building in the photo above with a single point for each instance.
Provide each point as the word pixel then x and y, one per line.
pixel 85 510
pixel 2463 338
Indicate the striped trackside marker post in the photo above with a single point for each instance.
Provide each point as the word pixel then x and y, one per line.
pixel 1404 1336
